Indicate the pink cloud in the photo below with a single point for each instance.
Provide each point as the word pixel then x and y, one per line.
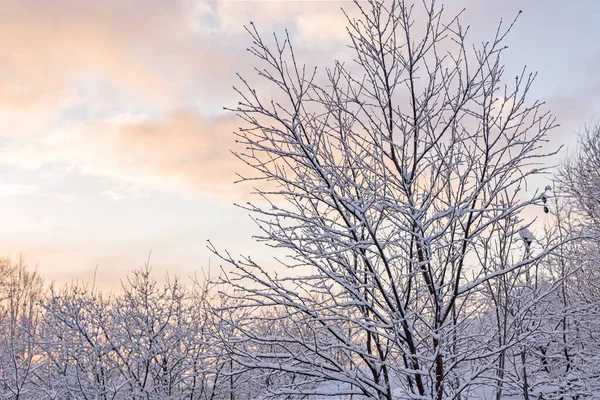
pixel 184 152
pixel 46 47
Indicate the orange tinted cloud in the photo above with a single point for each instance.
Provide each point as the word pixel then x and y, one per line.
pixel 47 46
pixel 184 152
pixel 72 73
pixel 184 147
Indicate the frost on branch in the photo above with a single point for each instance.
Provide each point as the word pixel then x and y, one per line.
pixel 393 185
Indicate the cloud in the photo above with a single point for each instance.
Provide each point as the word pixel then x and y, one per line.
pixel 11 189
pixel 51 52
pixel 323 29
pixel 184 148
pixel 134 91
pixel 184 152
pixel 161 54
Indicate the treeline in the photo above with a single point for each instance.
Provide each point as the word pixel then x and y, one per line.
pixel 147 341
pixel 172 340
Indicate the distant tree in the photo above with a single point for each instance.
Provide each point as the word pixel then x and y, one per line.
pixel 150 341
pixel 20 289
pixel 396 186
pixel 72 339
pixel 569 347
pixel 579 180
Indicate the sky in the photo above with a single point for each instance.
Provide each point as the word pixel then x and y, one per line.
pixel 114 146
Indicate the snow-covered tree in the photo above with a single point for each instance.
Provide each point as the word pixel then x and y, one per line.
pixel 567 352
pixel 150 341
pixel 20 289
pixel 579 180
pixel 395 185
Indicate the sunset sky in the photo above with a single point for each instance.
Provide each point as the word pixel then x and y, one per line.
pixel 114 142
